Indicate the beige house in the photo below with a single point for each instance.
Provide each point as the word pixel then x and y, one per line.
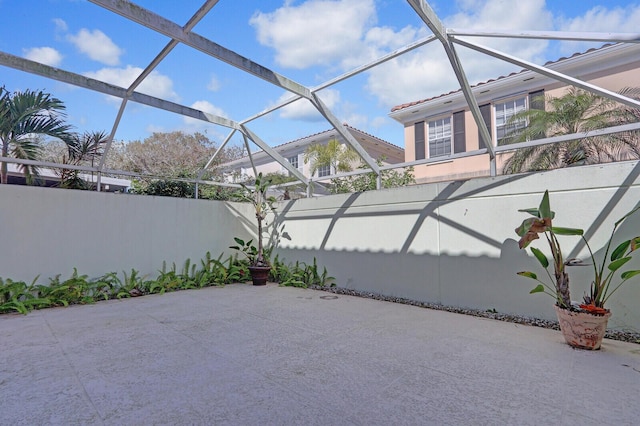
pixel 294 153
pixel 443 125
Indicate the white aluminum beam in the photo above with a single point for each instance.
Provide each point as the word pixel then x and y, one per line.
pixel 551 73
pixel 348 137
pixel 275 155
pixel 114 128
pixel 571 137
pixel 342 77
pixel 550 35
pixel 249 154
pixel 215 154
pixel 157 23
pixel 426 13
pixel 48 164
pixel 197 17
pixel 37 68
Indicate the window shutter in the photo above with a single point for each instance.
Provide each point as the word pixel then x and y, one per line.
pixel 419 138
pixel 536 100
pixel 459 143
pixel 485 111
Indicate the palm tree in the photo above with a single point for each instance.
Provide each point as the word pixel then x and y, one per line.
pixel 23 117
pixel 82 149
pixel 576 112
pixel 333 154
pixel 627 144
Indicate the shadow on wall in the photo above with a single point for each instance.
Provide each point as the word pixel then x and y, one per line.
pixel 481 282
pixel 454 243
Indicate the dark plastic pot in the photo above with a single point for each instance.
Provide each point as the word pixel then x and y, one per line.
pixel 259 274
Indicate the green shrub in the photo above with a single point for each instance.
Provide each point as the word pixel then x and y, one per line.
pixel 18 296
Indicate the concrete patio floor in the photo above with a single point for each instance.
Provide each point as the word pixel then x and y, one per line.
pixel 244 355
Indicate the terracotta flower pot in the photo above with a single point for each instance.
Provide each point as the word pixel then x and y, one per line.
pixel 259 274
pixel 582 329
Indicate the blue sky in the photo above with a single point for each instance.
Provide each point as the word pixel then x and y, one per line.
pixel 309 42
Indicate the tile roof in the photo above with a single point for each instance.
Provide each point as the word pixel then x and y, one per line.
pixel 322 132
pixel 421 101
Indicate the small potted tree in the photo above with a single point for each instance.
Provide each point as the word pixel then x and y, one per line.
pixel 583 325
pixel 259 266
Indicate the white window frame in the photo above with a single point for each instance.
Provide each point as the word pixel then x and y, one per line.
pixel 502 111
pixel 290 159
pixel 324 171
pixel 295 158
pixel 441 131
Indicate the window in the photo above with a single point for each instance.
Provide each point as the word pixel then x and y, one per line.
pixel 293 161
pixel 419 138
pixel 505 131
pixel 324 171
pixel 440 137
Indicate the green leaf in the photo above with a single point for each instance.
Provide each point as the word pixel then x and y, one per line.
pixel 528 275
pixel 238 240
pixel 628 274
pixel 566 231
pixel 540 256
pixel 620 250
pixel 538 289
pixel 617 264
pixel 545 208
pixel 532 212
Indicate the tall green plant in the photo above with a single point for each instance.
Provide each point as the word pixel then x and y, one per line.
pixel 575 112
pixel 85 149
pixel 601 288
pixel 334 154
pixel 262 204
pixel 23 117
pixel 528 231
pixel 368 181
pixel 603 274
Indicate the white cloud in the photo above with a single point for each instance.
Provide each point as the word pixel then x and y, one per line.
pixel 496 15
pixel 427 72
pixel 97 45
pixel 208 107
pixel 155 84
pixel 44 55
pixel 303 110
pixel 61 25
pixel 316 32
pixel 379 121
pixel 301 39
pixel 412 77
pixel 599 19
pixel 620 19
pixel 193 125
pixel 359 121
pixel 214 84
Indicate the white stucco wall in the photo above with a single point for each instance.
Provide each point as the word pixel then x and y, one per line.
pixel 454 242
pixel 451 243
pixel 47 231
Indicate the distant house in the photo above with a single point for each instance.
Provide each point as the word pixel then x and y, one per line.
pixel 294 153
pixel 49 178
pixel 443 125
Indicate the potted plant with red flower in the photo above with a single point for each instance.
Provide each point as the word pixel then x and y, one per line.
pixel 582 324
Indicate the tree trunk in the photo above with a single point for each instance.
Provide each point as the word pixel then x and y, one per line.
pixel 562 280
pixel 260 258
pixel 3 166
